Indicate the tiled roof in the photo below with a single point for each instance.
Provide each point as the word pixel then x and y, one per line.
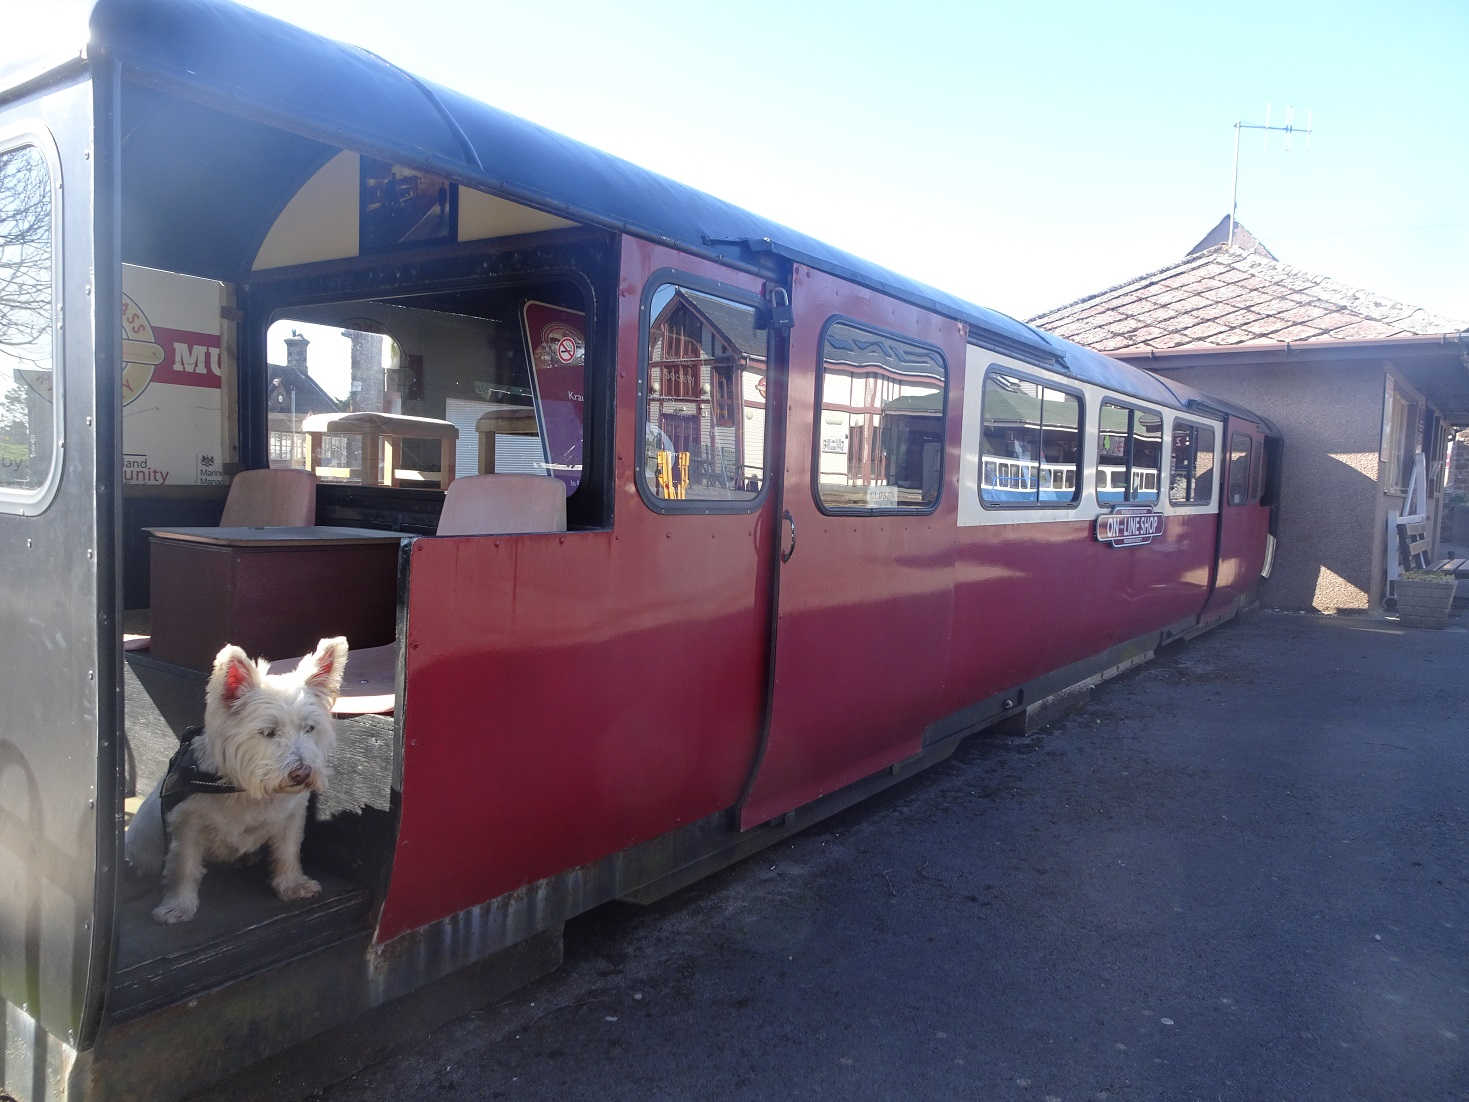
pixel 1230 295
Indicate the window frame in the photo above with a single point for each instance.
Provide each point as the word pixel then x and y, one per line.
pixel 696 506
pixel 817 409
pixel 588 264
pixel 1257 472
pixel 1217 430
pixel 1159 496
pixel 1249 466
pixel 1081 430
pixel 27 503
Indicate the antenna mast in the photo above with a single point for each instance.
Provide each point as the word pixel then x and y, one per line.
pixel 1289 129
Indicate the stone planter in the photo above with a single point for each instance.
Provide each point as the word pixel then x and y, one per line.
pixel 1425 602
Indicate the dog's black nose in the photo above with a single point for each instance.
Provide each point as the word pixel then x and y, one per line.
pixel 299 775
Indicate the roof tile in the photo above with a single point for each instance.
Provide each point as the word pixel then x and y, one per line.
pixel 1366 329
pixel 1214 311
pixel 1225 296
pixel 1170 296
pixel 1201 333
pixel 1172 340
pixel 1296 333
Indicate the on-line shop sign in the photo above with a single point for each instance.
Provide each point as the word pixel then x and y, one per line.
pixel 1129 527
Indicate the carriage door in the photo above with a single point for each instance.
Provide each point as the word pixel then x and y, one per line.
pixel 56 527
pixel 1243 523
pixel 866 542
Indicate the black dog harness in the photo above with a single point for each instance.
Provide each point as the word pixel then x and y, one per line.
pixel 185 778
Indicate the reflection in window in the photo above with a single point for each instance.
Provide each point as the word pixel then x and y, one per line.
pixel 880 442
pixel 1129 454
pixel 1032 446
pixel 27 410
pixel 413 393
pixel 1239 468
pixel 704 434
pixel 1191 470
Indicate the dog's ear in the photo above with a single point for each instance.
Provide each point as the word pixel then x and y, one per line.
pixel 324 668
pixel 234 675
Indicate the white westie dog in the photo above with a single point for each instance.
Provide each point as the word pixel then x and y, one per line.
pixel 245 780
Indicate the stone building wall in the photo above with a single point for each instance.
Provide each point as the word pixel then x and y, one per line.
pixel 1455 520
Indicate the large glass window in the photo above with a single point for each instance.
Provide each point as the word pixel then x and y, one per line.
pixel 1239 468
pixel 27 316
pixel 1191 470
pixel 1031 449
pixel 704 411
pixel 1129 454
pixel 880 429
pixel 417 392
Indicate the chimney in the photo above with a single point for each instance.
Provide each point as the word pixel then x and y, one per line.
pixel 296 351
pixel 367 371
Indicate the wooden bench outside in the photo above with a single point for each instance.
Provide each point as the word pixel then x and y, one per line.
pixel 1413 544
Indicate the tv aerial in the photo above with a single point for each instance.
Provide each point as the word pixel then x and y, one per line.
pixel 1290 130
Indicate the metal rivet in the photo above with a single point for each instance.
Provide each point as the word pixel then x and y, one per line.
pixel 91 675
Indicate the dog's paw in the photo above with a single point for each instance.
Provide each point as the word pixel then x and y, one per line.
pixel 301 887
pixel 173 911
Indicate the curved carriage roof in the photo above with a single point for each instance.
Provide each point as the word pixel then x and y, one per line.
pixel 318 91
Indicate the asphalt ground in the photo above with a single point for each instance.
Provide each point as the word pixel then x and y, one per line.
pixel 1241 871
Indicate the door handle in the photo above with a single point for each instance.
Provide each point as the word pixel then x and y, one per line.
pixel 785 556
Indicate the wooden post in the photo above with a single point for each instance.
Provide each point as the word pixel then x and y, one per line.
pixel 446 462
pixel 392 455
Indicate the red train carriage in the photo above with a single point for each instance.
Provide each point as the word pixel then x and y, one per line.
pixel 658 531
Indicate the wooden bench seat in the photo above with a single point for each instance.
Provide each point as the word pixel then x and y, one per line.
pixel 1459 568
pixel 369 686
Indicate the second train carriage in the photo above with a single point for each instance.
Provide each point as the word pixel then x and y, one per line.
pixel 658 530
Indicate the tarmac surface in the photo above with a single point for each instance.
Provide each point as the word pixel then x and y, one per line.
pixel 1241 871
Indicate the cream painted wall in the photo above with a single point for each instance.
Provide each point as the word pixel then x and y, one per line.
pixel 321 220
pixel 1331 531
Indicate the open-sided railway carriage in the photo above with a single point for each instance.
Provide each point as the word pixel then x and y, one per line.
pixel 658 531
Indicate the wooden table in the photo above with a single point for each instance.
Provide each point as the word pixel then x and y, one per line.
pixel 272 591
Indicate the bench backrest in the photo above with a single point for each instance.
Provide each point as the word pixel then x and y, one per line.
pixel 1413 545
pixel 270 498
pixel 498 504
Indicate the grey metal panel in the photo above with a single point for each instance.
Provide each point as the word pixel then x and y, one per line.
pixel 49 653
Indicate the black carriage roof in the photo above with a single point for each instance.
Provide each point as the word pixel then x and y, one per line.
pixel 323 93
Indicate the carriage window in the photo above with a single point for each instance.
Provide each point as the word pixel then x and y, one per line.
pixel 880 429
pixel 1191 471
pixel 1129 454
pixel 27 364
pixel 704 418
pixel 1239 468
pixel 413 393
pixel 1031 451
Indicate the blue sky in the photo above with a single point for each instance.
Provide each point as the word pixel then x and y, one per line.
pixel 1019 156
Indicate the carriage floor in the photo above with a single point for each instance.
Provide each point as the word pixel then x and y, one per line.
pixel 241 927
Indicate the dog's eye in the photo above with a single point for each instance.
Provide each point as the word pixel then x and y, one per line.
pixel 309 728
pixel 269 732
